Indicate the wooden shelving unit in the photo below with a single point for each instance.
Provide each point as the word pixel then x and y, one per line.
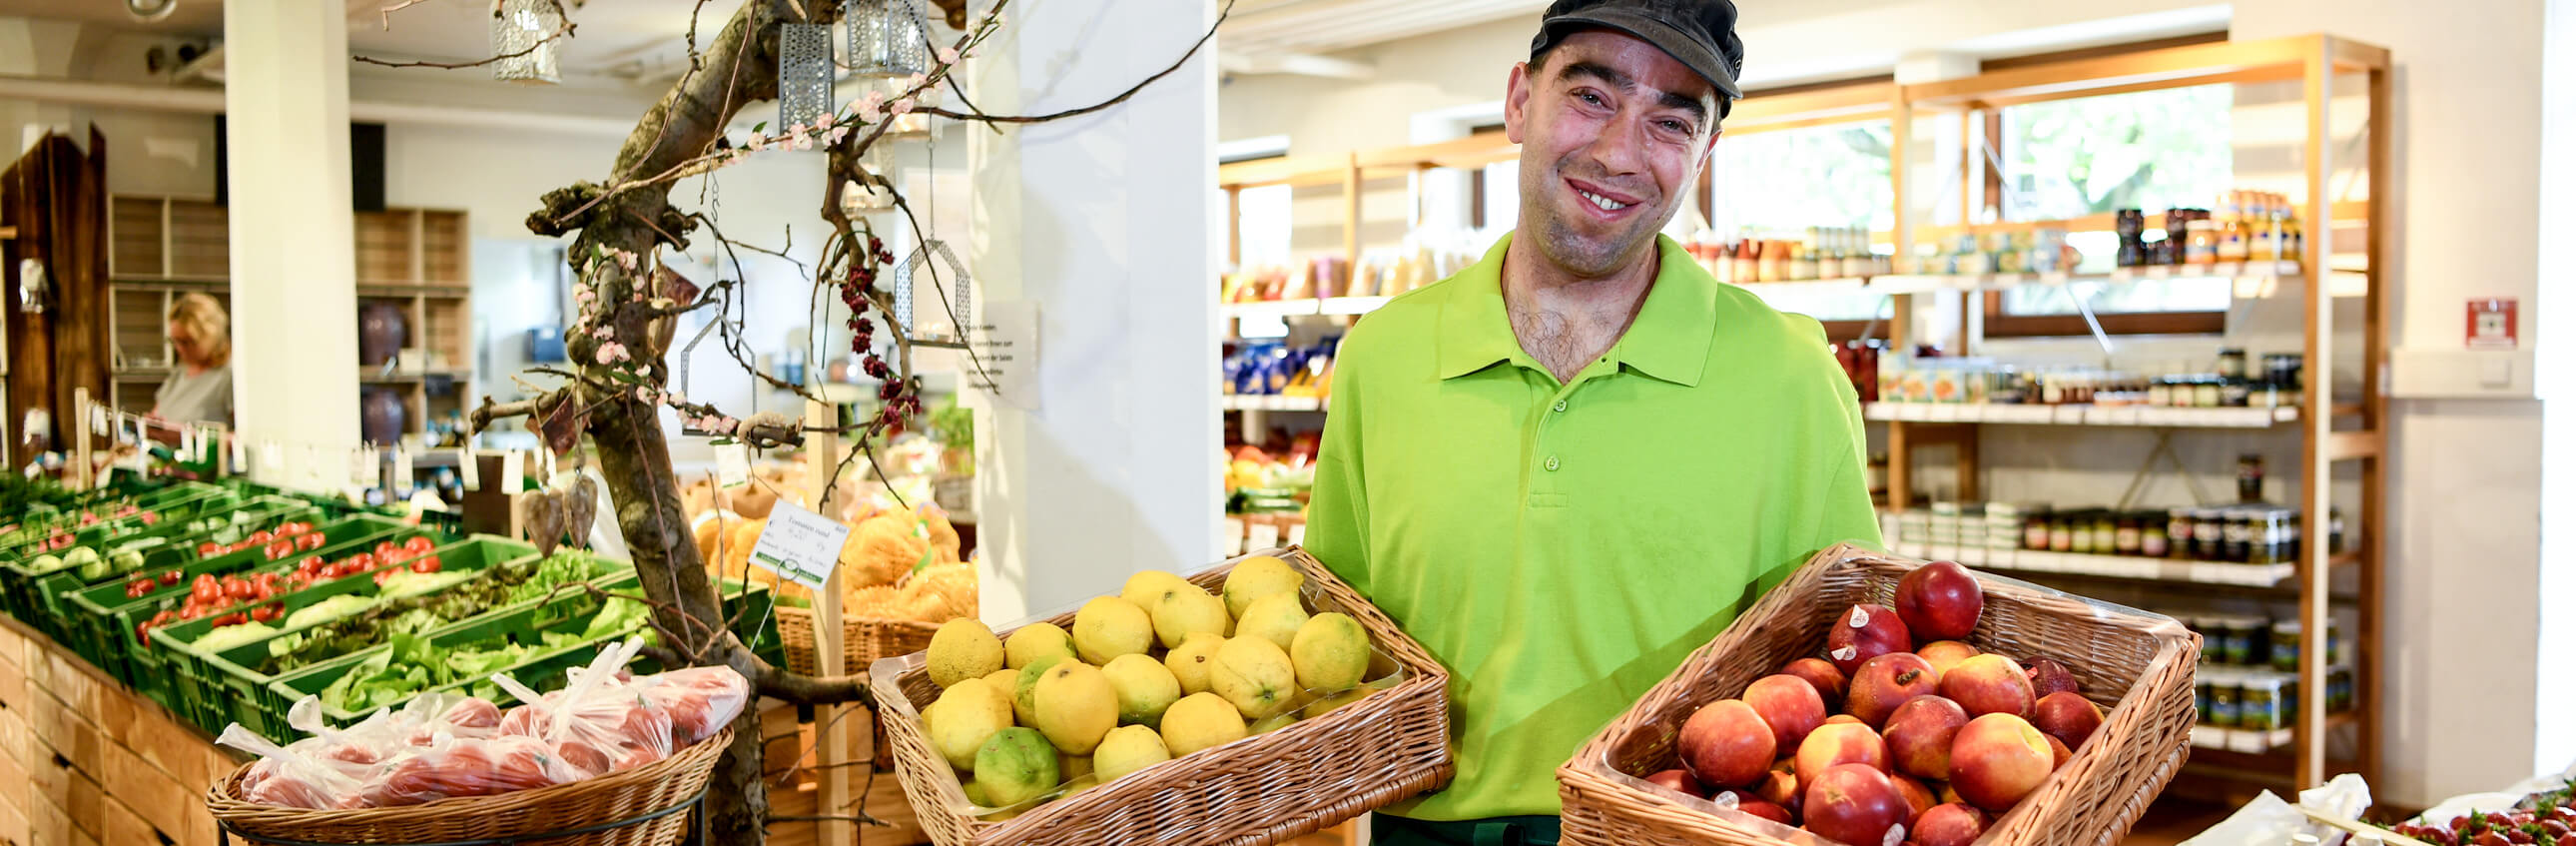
pixel 2331 429
pixel 415 260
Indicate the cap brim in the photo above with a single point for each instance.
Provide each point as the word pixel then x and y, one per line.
pixel 1683 48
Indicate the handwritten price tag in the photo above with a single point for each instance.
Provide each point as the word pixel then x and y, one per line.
pixel 800 545
pixel 733 465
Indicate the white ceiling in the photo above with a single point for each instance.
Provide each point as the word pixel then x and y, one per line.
pixel 615 37
pixel 1275 27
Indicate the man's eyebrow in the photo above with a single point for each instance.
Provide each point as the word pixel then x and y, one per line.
pixel 1614 78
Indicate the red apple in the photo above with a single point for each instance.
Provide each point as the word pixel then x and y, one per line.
pixel 2047 676
pixel 1950 824
pixel 1844 718
pixel 1836 743
pixel 1886 682
pixel 1766 810
pixel 1917 797
pixel 1781 788
pixel 1864 632
pixel 1789 704
pixel 1997 759
pixel 1919 736
pixel 2067 716
pixel 1830 681
pixel 1945 655
pixel 1678 781
pixel 1940 601
pixel 1989 684
pixel 1855 804
pixel 1725 744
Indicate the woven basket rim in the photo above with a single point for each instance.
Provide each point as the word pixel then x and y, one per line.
pixel 1591 764
pixel 224 802
pixel 1424 677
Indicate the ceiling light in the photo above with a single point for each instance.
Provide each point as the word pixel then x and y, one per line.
pixel 150 10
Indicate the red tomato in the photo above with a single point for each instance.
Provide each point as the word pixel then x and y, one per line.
pixel 425 564
pixel 266 613
pixel 419 543
pixel 308 542
pixel 170 578
pixel 386 546
pixel 209 548
pixel 143 633
pixel 259 537
pixel 360 561
pixel 233 619
pixel 205 589
pixel 238 589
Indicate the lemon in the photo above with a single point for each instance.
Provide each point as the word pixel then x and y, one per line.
pixel 962 719
pixel 1200 721
pixel 1145 688
pixel 1189 661
pixel 1254 674
pixel 1032 641
pixel 1273 723
pixel 1005 682
pixel 1185 609
pixel 1108 627
pixel 1024 690
pixel 1257 577
pixel 1145 587
pixel 1273 618
pixel 1015 766
pixel 1075 706
pixel 1331 652
pixel 1127 749
pixel 963 649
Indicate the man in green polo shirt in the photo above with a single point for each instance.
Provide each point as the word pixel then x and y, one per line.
pixel 1573 463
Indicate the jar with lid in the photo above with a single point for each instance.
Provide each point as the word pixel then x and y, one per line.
pixel 2160 391
pixel 2132 227
pixel 2285 646
pixel 2126 537
pixel 2080 535
pixel 2206 391
pixel 2200 242
pixel 2208 534
pixel 2236 535
pixel 2207 627
pixel 2249 478
pixel 2152 540
pixel 2200 689
pixel 2061 531
pixel 2260 703
pixel 2236 647
pixel 2034 530
pixel 2231 363
pixel 2235 393
pixel 2179 525
pixel 2265 394
pixel 2224 695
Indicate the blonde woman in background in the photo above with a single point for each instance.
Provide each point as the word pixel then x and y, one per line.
pixel 200 387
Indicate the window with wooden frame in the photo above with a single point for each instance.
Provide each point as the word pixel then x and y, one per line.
pixel 2149 150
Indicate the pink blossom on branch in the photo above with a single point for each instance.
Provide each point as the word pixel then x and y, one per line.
pixel 900 107
pixel 611 352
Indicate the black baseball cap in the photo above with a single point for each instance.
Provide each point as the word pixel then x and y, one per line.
pixel 1699 34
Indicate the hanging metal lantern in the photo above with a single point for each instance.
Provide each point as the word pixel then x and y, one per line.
pixel 520 32
pixel 804 73
pixel 951 282
pixel 888 38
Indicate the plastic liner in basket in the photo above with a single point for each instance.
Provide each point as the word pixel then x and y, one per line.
pixel 598 723
pixel 700 700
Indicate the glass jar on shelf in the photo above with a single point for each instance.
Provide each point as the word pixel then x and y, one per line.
pixel 2126 537
pixel 2153 542
pixel 2035 528
pixel 2200 242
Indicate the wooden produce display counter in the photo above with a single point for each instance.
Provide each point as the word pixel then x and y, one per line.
pixel 84 760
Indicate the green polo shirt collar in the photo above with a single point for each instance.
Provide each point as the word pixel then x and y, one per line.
pixel 1669 340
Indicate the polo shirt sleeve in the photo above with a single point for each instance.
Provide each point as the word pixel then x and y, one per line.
pixel 1844 512
pixel 1337 511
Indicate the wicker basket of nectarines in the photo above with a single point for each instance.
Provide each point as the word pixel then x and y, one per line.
pixel 1871 701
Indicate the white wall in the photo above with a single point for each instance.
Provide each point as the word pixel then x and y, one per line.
pixel 2462 589
pixel 2556 739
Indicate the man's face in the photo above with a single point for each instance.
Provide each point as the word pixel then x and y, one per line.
pixel 1612 132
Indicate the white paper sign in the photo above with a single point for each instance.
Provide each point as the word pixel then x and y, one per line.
pixel 240 454
pixel 1297 535
pixel 98 420
pixel 272 458
pixel 469 470
pixel 800 545
pixel 362 467
pixel 1005 343
pixel 187 444
pixel 402 470
pixel 1265 535
pixel 733 464
pixel 514 471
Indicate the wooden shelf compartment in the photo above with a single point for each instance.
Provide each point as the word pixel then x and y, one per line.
pixel 385 242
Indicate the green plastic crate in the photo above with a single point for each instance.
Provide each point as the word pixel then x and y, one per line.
pixel 543 671
pixel 74 620
pixel 105 616
pixel 18 580
pixel 178 546
pixel 217 689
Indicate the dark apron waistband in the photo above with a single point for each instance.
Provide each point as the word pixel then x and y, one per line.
pixel 1492 831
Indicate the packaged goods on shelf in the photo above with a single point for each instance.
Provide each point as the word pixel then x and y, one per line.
pixel 1995 533
pixel 1821 252
pixel 1905 378
pixel 1274 368
pixel 2247 226
pixel 2037 251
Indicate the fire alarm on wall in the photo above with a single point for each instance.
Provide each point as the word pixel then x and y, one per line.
pixel 2491 324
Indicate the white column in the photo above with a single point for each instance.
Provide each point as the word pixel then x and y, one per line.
pixel 2554 742
pixel 294 292
pixel 1102 220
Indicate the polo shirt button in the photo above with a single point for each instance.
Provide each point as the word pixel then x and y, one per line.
pixel 1551 464
pixel 1560 406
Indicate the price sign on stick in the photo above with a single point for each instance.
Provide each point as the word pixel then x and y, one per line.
pixel 800 545
pixel 514 471
pixel 733 464
pixel 468 470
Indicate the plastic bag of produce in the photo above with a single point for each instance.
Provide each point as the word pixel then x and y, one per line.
pixel 290 778
pixel 700 700
pixel 598 722
pixel 370 741
pixel 453 766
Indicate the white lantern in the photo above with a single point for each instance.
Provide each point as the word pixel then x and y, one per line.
pixel 522 34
